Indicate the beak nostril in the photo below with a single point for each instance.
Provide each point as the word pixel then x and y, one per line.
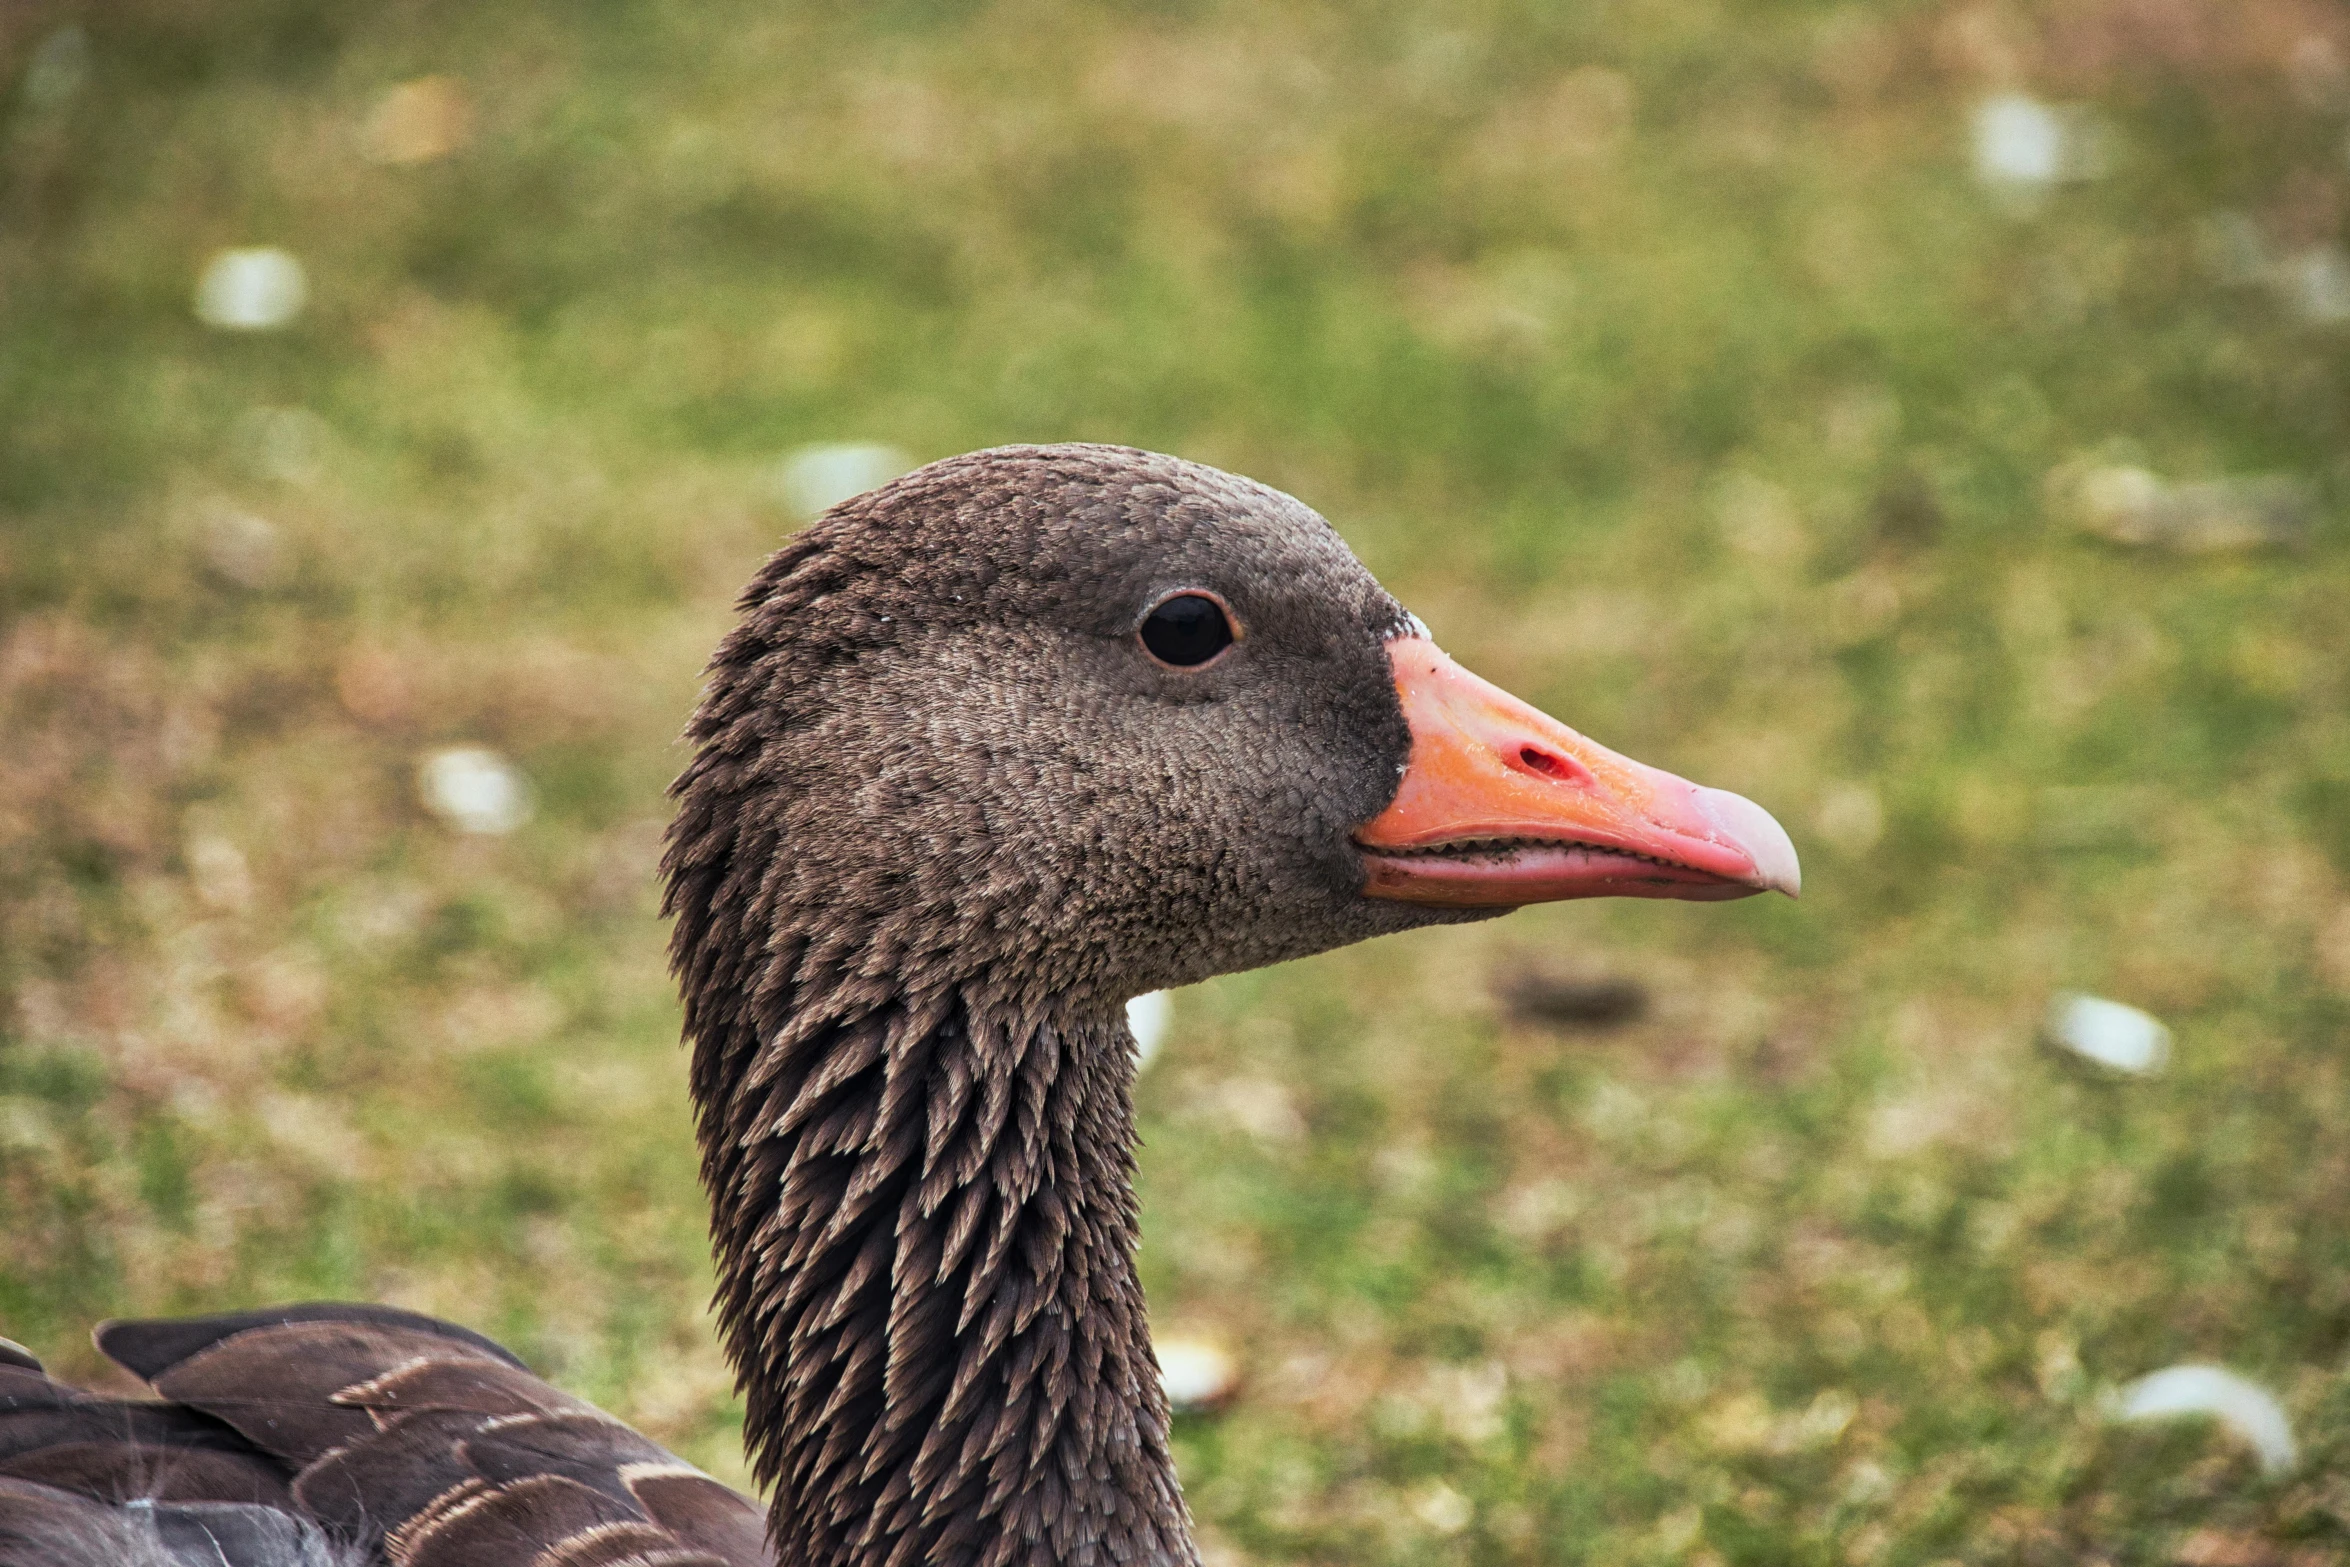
pixel 1552 765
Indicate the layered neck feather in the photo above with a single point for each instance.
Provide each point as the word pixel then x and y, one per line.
pixel 924 1216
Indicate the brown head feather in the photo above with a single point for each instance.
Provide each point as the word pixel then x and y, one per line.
pixel 943 818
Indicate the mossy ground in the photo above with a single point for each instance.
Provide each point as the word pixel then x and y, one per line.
pixel 1665 355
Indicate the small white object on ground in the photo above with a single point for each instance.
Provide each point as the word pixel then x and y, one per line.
pixel 2109 1033
pixel 2018 141
pixel 256 288
pixel 2242 1405
pixel 2131 505
pixel 814 479
pixel 1197 1373
pixel 245 550
pixel 2023 146
pixel 1442 1508
pixel 474 790
pixel 1147 1018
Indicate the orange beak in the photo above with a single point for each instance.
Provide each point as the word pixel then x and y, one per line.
pixel 1502 805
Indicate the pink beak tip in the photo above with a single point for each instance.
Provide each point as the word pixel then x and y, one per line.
pixel 1758 833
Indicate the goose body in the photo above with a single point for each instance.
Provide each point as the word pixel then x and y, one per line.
pixel 330 1436
pixel 991 750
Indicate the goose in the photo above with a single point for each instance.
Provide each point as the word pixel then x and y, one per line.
pixel 988 752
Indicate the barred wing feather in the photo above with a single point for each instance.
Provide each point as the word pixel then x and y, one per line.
pixel 341 1436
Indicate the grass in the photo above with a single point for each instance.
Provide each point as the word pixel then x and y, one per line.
pixel 1669 359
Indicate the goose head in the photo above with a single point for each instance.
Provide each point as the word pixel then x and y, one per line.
pixel 1094 721
pixel 990 750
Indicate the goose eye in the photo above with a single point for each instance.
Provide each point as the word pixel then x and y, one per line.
pixel 1187 630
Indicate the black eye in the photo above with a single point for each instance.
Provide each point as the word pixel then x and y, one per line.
pixel 1187 630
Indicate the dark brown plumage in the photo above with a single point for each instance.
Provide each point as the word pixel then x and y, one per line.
pixel 943 820
pixel 948 809
pixel 322 1436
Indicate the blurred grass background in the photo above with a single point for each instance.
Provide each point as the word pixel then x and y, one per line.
pixel 1691 367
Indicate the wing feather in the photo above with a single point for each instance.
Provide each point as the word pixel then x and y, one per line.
pixel 339 1436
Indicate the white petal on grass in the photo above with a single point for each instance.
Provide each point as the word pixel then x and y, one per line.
pixel 2018 140
pixel 813 479
pixel 1198 1373
pixel 1147 1018
pixel 255 288
pixel 2023 146
pixel 2242 1405
pixel 2109 1033
pixel 474 790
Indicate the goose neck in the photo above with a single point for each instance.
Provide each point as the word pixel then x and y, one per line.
pixel 925 1222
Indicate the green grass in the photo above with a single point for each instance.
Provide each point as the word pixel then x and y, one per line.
pixel 1666 357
